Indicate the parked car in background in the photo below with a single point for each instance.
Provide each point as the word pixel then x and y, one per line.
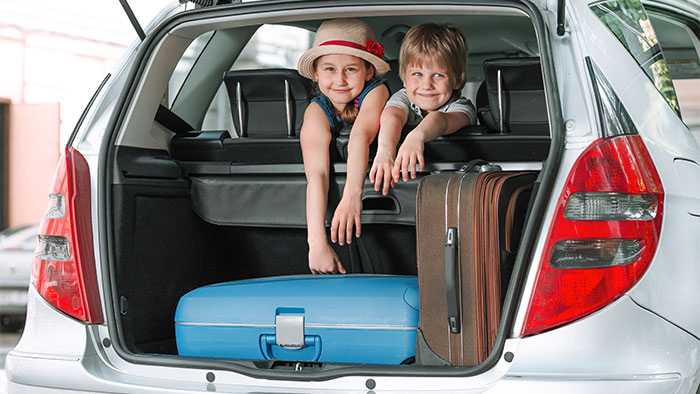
pixel 16 254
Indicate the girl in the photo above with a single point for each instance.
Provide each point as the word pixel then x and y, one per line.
pixel 344 62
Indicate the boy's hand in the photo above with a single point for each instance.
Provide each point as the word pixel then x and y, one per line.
pixel 381 172
pixel 345 218
pixel 323 260
pixel 410 154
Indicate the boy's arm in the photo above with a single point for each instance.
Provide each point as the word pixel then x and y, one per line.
pixel 433 125
pixel 437 124
pixel 364 130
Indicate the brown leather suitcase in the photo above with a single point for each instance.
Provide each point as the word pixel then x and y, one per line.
pixel 468 224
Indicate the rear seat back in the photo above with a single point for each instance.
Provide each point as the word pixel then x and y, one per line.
pixel 267 103
pixel 516 101
pixel 267 107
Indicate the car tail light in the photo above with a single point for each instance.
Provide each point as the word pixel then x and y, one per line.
pixel 64 262
pixel 604 234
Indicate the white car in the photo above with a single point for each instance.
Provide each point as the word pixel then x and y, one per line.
pixel 170 183
pixel 16 255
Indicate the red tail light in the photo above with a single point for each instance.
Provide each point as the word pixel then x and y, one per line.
pixel 64 262
pixel 604 234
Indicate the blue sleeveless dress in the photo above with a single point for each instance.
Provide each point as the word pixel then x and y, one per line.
pixel 334 119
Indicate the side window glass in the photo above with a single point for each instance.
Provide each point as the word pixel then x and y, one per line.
pixel 614 118
pixel 681 45
pixel 184 66
pixel 630 23
pixel 272 46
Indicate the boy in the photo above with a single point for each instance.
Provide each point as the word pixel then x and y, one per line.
pixel 432 63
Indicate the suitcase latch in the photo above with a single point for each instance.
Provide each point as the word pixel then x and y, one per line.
pixel 289 331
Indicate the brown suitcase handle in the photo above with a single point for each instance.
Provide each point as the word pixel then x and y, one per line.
pixel 453 318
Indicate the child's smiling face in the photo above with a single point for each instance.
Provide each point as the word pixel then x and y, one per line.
pixel 341 78
pixel 428 85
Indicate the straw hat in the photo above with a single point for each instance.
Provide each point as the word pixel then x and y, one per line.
pixel 344 37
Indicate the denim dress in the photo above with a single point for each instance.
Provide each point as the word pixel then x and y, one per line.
pixel 337 124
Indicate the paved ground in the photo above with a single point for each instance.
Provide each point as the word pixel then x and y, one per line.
pixel 7 342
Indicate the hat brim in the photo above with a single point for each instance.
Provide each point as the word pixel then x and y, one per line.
pixel 305 65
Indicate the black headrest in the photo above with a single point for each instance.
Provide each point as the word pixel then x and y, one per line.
pixel 522 100
pixel 392 77
pixel 271 102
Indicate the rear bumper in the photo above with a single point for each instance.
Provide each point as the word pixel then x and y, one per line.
pixel 30 374
pixel 620 349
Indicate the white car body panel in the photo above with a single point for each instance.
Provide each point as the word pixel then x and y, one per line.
pixel 48 334
pixel 670 284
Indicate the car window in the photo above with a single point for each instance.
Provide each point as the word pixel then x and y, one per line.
pixel 183 67
pixel 630 23
pixel 679 40
pixel 272 46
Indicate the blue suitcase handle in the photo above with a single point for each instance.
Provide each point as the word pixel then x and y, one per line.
pixel 267 341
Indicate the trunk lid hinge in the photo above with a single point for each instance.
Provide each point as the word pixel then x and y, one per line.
pixel 561 18
pixel 132 19
pixel 211 3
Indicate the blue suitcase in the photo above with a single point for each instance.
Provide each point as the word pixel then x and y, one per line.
pixel 366 319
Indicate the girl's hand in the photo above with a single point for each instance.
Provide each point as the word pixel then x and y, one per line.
pixel 381 172
pixel 345 218
pixel 323 260
pixel 410 154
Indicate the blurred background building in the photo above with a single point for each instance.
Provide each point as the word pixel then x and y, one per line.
pixel 53 55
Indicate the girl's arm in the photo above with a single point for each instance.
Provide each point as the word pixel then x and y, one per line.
pixel 315 138
pixel 364 130
pixel 391 122
pixel 434 125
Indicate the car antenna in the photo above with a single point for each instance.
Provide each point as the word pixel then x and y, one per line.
pixel 132 19
pixel 561 17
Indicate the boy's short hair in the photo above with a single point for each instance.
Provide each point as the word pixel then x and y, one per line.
pixel 443 44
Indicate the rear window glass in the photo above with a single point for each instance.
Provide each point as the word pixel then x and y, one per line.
pixel 629 22
pixel 272 46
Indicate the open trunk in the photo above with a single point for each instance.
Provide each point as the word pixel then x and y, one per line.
pixel 212 206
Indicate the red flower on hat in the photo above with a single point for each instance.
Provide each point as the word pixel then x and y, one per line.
pixel 375 48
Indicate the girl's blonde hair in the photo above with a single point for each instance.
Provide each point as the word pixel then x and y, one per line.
pixel 349 113
pixel 442 44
